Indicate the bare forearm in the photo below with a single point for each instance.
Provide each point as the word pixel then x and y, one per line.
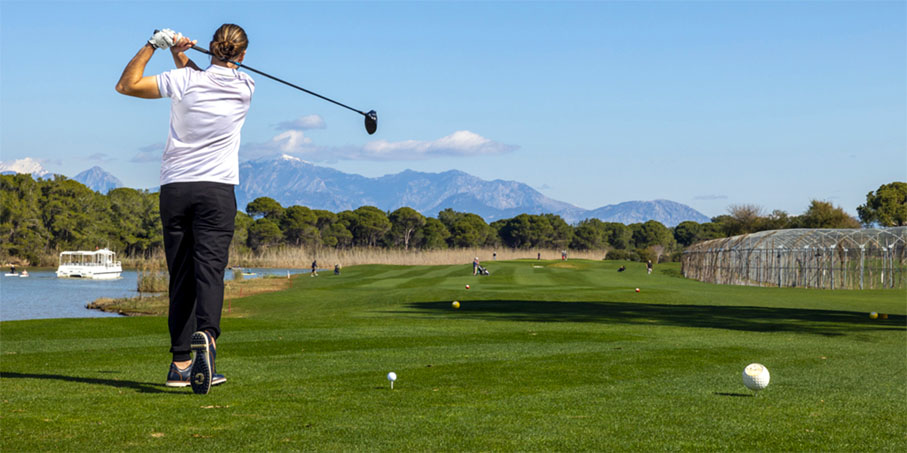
pixel 182 60
pixel 134 74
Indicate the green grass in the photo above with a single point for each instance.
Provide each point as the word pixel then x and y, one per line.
pixel 566 356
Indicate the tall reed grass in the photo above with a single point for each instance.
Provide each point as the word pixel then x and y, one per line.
pixel 151 277
pixel 302 257
pixel 140 261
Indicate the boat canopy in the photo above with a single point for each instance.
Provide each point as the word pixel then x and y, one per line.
pixel 102 256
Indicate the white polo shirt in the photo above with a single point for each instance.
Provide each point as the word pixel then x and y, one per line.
pixel 207 111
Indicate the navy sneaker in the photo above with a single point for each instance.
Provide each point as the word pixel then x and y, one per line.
pixel 216 379
pixel 203 363
pixel 177 377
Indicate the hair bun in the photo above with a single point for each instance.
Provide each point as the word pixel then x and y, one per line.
pixel 224 50
pixel 229 42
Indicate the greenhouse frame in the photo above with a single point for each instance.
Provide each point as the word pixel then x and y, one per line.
pixel 868 258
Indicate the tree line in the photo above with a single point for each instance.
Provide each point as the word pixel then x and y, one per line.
pixel 40 218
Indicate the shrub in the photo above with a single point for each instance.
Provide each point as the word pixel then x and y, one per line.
pixel 621 254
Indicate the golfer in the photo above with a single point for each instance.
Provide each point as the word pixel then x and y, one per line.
pixel 200 167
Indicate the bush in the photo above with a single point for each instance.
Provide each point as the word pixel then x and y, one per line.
pixel 646 255
pixel 621 254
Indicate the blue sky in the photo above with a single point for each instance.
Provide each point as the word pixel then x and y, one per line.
pixel 705 103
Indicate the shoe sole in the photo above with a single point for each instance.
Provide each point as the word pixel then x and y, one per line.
pixel 177 384
pixel 201 367
pixel 218 381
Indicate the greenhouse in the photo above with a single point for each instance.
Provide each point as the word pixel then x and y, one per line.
pixel 869 258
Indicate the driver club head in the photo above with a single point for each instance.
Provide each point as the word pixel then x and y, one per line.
pixel 371 122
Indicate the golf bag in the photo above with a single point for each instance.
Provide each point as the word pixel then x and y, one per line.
pixel 483 271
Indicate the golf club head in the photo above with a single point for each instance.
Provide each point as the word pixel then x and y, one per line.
pixel 371 122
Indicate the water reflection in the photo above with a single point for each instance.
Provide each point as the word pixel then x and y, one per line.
pixel 42 295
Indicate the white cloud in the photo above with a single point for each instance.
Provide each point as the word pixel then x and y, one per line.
pixel 100 158
pixel 460 143
pixel 149 153
pixel 303 123
pixel 710 197
pixel 294 141
pixel 291 141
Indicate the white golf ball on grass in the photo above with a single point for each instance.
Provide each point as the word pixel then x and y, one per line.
pixel 756 377
pixel 392 377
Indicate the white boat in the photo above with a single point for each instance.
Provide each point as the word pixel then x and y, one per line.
pixel 99 265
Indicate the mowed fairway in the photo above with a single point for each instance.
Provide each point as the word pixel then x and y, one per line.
pixel 545 355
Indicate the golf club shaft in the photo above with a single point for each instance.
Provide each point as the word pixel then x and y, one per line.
pixel 205 51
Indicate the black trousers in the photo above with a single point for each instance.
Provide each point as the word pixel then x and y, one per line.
pixel 197 219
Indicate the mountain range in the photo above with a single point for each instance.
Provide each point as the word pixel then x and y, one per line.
pixel 293 181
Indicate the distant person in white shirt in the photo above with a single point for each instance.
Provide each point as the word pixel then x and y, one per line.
pixel 199 170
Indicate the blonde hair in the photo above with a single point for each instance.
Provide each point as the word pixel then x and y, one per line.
pixel 229 42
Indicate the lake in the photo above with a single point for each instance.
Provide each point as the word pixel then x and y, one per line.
pixel 43 295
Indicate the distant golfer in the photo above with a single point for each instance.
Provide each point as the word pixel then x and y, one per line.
pixel 314 269
pixel 475 266
pixel 200 167
pixel 649 267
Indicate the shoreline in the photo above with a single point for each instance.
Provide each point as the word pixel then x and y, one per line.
pixel 158 304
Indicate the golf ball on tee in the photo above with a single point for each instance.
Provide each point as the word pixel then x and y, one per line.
pixel 755 376
pixel 455 304
pixel 392 376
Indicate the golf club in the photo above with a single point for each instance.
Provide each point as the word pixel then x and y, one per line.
pixel 371 117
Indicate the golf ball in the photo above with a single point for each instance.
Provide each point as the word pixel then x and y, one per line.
pixel 755 376
pixel 455 304
pixel 467 286
pixel 873 315
pixel 637 289
pixel 392 376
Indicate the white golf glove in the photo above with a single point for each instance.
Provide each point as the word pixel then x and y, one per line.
pixel 164 39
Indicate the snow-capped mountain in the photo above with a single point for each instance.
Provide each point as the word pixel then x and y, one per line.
pixel 26 166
